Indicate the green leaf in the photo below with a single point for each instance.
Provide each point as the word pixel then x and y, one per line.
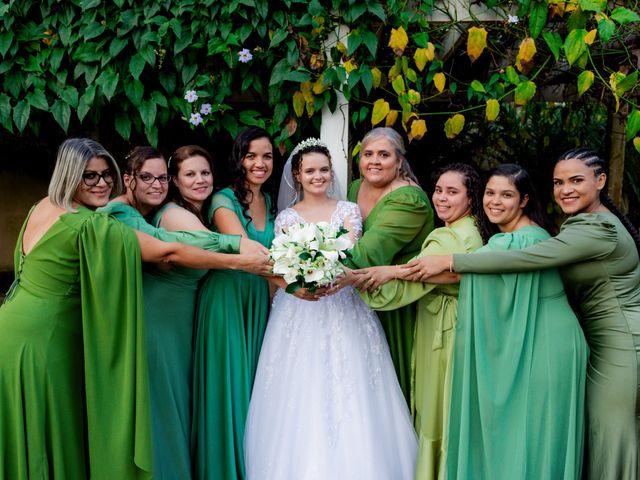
pixel 5 108
pixel 55 59
pixel 378 10
pixel 398 84
pixel 6 38
pixel 148 111
pixel 183 42
pixel 627 83
pixel 606 29
pixel 512 75
pixel 278 37
pixel 366 77
pixel 151 132
pixel 421 39
pixel 538 18
pixel 188 72
pixel 633 124
pixel 148 54
pixel 61 113
pixel 371 41
pixel 86 101
pixel 554 42
pixel 108 81
pixel 299 76
pixel 251 117
pixel 117 44
pixel 159 99
pixel 478 86
pixel 524 92
pixel 134 90
pixel 136 66
pixel 593 5
pixel 624 15
pixel 70 96
pixel 93 30
pixel 21 114
pixel 168 81
pixel 574 45
pixel 585 80
pixel 123 125
pixel 38 99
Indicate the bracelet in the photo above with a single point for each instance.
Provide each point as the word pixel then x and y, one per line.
pixel 451 264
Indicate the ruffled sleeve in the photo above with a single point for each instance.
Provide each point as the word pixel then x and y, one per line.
pixel 117 390
pixel 405 215
pixel 587 236
pixel 212 241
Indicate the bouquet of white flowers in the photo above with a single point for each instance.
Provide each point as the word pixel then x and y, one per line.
pixel 308 255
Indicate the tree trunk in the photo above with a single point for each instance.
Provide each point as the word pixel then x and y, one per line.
pixel 616 143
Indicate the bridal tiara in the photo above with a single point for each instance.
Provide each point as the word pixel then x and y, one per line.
pixel 309 142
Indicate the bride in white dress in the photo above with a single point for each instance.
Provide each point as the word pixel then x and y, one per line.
pixel 326 403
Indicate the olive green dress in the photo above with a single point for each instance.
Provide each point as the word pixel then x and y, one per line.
pixel 169 306
pixel 599 264
pixel 233 308
pixel 393 233
pixel 433 342
pixel 74 399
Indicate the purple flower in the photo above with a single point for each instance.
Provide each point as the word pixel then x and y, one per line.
pixel 205 109
pixel 191 96
pixel 196 119
pixel 512 19
pixel 244 55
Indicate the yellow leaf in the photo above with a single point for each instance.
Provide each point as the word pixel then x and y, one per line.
pixel 439 81
pixel 636 143
pixel 424 55
pixel 380 111
pixel 418 129
pixel 414 96
pixel 306 89
pixel 350 65
pixel 476 42
pixel 298 103
pixel 342 48
pixel 454 125
pixel 431 51
pixel 311 108
pixel 392 116
pixel 493 110
pixel 585 80
pixel 398 40
pixel 317 61
pixel 319 86
pixel 525 55
pixel 406 118
pixel 377 76
pixel 591 36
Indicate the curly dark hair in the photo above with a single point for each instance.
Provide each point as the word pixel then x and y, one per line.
pixel 475 188
pixel 523 183
pixel 591 159
pixel 239 150
pixel 296 160
pixel 175 160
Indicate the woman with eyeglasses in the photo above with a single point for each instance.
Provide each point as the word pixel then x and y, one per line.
pixel 74 398
pixel 169 300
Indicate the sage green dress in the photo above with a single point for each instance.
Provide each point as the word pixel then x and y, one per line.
pixel 233 308
pixel 433 342
pixel 169 303
pixel 74 399
pixel 393 233
pixel 599 264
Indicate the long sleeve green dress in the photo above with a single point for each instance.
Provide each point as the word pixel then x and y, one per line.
pixel 518 382
pixel 74 398
pixel 393 233
pixel 169 304
pixel 598 261
pixel 433 342
pixel 233 307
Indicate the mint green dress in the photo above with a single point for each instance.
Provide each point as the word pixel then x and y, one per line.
pixel 233 308
pixel 519 367
pixel 393 233
pixel 598 260
pixel 74 398
pixel 169 303
pixel 433 342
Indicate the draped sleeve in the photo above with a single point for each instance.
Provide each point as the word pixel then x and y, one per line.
pixel 463 237
pixel 582 237
pixel 403 218
pixel 212 241
pixel 117 389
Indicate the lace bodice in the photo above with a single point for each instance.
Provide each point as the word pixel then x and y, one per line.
pixel 289 216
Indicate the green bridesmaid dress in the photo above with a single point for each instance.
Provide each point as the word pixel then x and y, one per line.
pixel 598 261
pixel 519 368
pixel 393 233
pixel 74 398
pixel 233 308
pixel 169 305
pixel 433 342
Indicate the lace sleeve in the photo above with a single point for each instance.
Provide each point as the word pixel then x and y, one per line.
pixel 284 219
pixel 352 212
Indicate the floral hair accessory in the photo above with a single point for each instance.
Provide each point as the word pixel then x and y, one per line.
pixel 309 142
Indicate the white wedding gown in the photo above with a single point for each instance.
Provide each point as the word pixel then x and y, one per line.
pixel 326 403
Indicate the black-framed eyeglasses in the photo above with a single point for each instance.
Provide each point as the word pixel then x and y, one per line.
pixel 91 178
pixel 149 179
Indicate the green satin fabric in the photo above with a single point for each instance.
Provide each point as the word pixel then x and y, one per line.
pixel 393 233
pixel 599 264
pixel 74 399
pixel 519 367
pixel 233 308
pixel 433 342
